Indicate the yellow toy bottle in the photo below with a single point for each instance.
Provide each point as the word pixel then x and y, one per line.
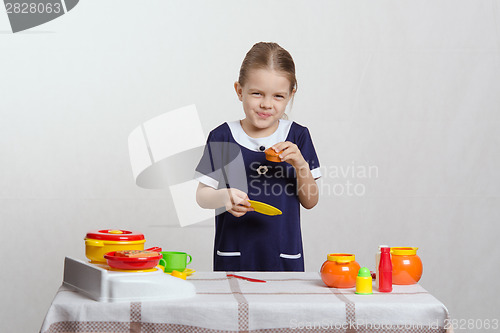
pixel 364 282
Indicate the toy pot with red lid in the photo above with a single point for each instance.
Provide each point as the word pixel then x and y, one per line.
pixel 100 242
pixel 407 267
pixel 340 270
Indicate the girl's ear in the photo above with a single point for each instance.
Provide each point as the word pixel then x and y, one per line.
pixel 239 90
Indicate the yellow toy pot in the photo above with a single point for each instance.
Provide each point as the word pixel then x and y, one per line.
pixel 100 242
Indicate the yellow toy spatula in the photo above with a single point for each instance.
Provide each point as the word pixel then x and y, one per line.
pixel 264 208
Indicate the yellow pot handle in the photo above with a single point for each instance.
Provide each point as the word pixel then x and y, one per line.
pixel 93 242
pixel 340 261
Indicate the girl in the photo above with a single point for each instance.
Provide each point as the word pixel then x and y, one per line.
pixel 244 239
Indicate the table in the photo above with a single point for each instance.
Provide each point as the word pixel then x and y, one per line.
pixel 287 302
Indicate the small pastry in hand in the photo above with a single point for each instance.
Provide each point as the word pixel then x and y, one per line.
pixel 272 155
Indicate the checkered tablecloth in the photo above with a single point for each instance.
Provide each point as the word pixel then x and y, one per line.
pixel 287 302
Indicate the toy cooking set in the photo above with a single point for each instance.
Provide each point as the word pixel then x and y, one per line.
pixel 394 265
pixel 119 269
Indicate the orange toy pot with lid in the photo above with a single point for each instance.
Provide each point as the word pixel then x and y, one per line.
pixel 407 267
pixel 340 270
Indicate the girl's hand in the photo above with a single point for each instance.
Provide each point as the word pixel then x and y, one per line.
pixel 306 185
pixel 236 202
pixel 291 154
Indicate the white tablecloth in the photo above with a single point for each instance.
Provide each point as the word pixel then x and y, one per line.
pixel 287 302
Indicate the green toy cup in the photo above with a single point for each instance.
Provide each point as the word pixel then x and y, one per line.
pixel 175 261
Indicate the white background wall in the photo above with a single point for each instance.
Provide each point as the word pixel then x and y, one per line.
pixel 411 88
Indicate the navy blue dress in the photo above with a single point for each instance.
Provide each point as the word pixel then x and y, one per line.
pixel 257 242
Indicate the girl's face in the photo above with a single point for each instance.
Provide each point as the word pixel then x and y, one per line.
pixel 265 97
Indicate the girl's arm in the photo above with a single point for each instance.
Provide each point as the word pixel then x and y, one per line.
pixel 307 188
pixel 235 201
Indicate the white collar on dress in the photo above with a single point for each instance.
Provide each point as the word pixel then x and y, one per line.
pixel 254 144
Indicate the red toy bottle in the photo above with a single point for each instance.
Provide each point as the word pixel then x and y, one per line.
pixel 385 270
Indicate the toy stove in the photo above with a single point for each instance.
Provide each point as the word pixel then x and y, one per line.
pixel 105 284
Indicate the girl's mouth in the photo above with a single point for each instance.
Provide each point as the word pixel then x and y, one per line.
pixel 264 115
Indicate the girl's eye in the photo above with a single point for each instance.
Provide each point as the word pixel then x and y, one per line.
pixel 256 94
pixel 280 96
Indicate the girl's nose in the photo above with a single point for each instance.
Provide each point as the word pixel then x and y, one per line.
pixel 266 104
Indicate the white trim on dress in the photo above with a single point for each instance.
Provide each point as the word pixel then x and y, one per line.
pixel 291 256
pixel 316 173
pixel 206 180
pixel 228 254
pixel 254 144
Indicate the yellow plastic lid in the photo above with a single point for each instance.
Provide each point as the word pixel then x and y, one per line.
pixel 404 251
pixel 115 232
pixel 341 258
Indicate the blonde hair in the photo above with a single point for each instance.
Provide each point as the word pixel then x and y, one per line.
pixel 268 56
